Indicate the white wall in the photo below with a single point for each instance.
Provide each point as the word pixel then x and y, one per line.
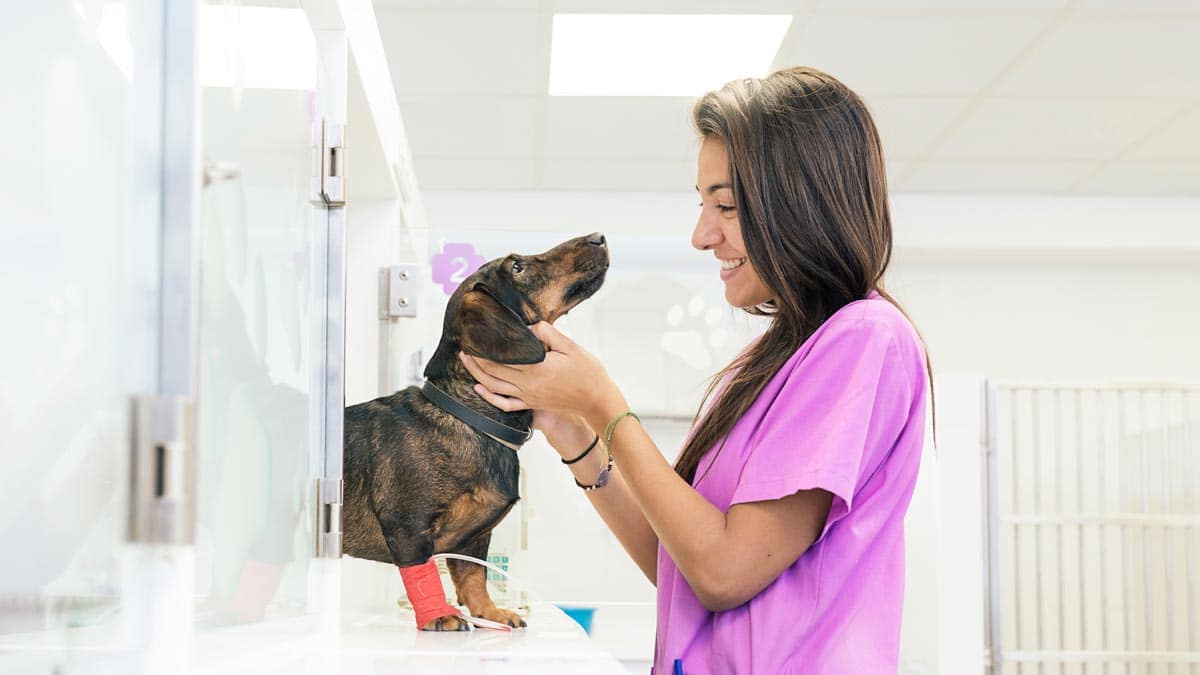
pixel 373 241
pixel 1057 317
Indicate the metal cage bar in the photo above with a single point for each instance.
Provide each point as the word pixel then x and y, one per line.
pixel 1103 435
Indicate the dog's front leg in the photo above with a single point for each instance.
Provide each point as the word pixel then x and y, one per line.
pixel 422 584
pixel 470 582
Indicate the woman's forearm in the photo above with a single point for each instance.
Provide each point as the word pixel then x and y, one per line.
pixel 619 510
pixel 614 502
pixel 691 529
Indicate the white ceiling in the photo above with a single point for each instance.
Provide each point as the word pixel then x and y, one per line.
pixel 971 96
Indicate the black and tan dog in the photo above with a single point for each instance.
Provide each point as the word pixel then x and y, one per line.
pixel 420 481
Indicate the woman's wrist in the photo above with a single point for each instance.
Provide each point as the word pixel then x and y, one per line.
pixel 604 411
pixel 571 437
pixel 587 469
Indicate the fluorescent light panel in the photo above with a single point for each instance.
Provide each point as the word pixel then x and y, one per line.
pixel 256 48
pixel 660 54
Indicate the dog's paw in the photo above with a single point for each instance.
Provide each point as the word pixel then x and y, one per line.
pixel 447 624
pixel 504 616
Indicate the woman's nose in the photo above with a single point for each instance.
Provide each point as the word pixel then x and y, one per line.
pixel 707 234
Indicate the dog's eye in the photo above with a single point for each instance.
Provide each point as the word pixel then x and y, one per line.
pixel 518 267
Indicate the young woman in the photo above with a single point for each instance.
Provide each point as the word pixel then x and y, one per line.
pixel 776 541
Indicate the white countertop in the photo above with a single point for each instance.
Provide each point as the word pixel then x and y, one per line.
pixel 390 643
pixel 363 643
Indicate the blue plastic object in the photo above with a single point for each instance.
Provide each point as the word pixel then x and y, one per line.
pixel 581 615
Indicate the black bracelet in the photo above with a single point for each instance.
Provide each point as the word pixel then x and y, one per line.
pixel 584 453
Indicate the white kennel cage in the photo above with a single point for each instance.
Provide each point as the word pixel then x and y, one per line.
pixel 1093 533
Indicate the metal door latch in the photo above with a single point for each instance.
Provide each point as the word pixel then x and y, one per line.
pixel 162 470
pixel 329 164
pixel 329 518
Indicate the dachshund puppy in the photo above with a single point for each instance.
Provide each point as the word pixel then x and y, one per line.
pixel 419 480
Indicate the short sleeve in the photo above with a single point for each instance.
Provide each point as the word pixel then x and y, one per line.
pixel 847 396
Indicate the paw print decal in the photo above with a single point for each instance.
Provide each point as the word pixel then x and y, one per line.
pixel 694 333
pixel 454 264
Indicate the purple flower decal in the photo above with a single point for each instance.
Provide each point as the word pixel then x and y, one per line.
pixel 455 263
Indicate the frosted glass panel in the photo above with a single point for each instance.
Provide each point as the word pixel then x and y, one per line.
pixel 253 532
pixel 79 251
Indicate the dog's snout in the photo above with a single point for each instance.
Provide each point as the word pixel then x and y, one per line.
pixel 597 239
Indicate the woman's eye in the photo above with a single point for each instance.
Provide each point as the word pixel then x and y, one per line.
pixel 518 267
pixel 726 209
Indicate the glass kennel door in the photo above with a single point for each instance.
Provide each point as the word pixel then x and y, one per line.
pixel 80 282
pixel 255 527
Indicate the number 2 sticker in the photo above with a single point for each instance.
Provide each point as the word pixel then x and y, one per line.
pixel 454 264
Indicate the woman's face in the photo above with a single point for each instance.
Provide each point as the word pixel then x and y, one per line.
pixel 719 230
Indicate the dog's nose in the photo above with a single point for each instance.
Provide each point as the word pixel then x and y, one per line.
pixel 596 239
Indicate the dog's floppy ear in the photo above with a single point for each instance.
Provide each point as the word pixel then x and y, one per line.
pixel 490 330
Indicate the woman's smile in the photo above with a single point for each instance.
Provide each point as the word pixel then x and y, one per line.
pixel 730 267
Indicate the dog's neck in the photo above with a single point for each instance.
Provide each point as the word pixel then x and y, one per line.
pixel 458 383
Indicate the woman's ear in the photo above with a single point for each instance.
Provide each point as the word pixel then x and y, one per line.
pixel 489 330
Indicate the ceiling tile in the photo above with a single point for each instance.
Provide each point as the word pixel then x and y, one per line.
pixel 907 126
pixel 448 5
pixel 474 174
pixel 465 53
pixel 616 175
pixel 678 6
pixel 451 127
pixel 1113 56
pixel 995 178
pixel 911 55
pixel 1177 141
pixel 1022 129
pixel 1145 179
pixel 472 82
pixel 956 5
pixel 635 127
pixel 1137 5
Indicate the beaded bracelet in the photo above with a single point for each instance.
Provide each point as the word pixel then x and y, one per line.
pixel 601 480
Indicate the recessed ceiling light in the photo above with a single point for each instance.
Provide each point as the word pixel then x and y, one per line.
pixel 256 48
pixel 660 54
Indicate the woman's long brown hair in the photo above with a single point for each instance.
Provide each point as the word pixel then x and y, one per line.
pixel 811 195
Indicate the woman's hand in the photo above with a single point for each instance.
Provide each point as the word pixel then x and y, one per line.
pixel 564 432
pixel 570 381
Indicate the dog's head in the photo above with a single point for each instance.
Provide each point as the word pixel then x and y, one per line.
pixel 490 313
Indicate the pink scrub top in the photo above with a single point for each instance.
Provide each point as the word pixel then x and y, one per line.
pixel 845 414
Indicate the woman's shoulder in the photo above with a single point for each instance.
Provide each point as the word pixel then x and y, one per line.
pixel 864 326
pixel 872 315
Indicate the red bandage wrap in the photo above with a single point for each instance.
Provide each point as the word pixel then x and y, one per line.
pixel 424 587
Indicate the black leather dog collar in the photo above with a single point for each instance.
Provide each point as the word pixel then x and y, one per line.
pixel 476 421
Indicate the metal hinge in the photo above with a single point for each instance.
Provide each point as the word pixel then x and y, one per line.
pixel 162 506
pixel 329 518
pixel 329 164
pixel 398 291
